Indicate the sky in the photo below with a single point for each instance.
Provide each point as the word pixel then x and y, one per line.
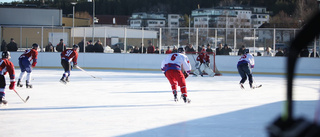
pixel 9 0
pixel 126 103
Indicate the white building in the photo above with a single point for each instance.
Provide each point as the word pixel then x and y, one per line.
pixel 259 16
pixel 229 17
pixel 142 19
pixel 173 20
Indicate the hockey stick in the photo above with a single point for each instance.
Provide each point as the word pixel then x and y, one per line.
pixel 87 73
pixel 24 100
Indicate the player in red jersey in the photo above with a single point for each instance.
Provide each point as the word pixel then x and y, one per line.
pixel 68 56
pixel 6 66
pixel 26 65
pixel 204 64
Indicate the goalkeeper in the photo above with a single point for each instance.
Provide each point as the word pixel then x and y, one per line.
pixel 203 63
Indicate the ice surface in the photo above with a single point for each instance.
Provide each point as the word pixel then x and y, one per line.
pixel 140 104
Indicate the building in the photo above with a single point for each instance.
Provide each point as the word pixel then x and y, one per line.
pixel 230 17
pixel 143 19
pixel 260 15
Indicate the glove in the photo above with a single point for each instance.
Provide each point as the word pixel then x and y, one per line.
pixel 252 66
pixel 185 74
pixel 11 87
pixel 34 64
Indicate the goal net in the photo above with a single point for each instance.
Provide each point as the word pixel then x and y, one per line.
pixel 193 61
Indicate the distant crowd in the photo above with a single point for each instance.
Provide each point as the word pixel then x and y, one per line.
pixel 97 47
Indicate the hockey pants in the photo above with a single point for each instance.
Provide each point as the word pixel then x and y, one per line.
pixel 175 78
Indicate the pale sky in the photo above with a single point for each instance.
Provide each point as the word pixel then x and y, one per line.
pixel 2 1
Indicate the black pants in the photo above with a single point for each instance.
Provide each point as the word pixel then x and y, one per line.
pixel 244 71
pixel 66 65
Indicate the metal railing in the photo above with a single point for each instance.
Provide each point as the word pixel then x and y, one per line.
pixel 255 39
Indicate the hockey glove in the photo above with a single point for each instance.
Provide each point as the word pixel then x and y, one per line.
pixel 11 86
pixel 185 75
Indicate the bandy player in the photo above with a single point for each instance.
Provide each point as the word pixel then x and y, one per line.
pixel 171 66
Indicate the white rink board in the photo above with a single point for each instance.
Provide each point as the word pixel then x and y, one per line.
pixel 140 104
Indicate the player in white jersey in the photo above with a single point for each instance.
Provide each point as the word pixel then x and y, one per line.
pixel 245 64
pixel 172 67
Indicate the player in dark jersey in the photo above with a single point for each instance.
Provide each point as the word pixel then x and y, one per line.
pixel 68 56
pixel 30 55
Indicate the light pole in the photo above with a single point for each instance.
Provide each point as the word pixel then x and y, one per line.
pixel 73 10
pixel 93 14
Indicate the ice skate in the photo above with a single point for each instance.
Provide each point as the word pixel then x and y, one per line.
pixel 19 83
pixel 241 86
pixel 185 99
pixel 67 79
pixel 28 85
pixel 3 102
pixel 175 98
pixel 63 81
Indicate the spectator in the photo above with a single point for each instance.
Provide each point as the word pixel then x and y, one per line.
pixel 312 53
pixel 150 48
pixel 61 46
pixel 189 49
pixel 209 50
pixel 304 52
pixel 258 54
pixel 81 46
pixel 117 49
pixel 268 52
pixel 226 50
pixel 97 47
pixel 285 52
pixel 49 47
pixel 279 53
pixel 168 50
pixel 142 49
pixel 135 49
pixel 3 45
pixel 89 47
pixel 200 48
pixel 157 50
pixel 174 50
pixel 218 49
pixel 241 50
pixel 162 51
pixel 12 46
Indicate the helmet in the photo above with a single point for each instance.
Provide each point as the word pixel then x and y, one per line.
pixel 246 51
pixel 6 54
pixel 75 46
pixel 180 50
pixel 203 50
pixel 35 45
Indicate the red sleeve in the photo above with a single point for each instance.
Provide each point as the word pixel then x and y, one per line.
pixel 75 59
pixel 35 57
pixel 10 69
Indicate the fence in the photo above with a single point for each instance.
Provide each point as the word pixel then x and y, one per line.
pixel 255 39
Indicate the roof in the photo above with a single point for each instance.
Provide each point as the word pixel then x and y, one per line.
pixel 108 19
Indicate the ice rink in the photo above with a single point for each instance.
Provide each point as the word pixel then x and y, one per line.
pixel 127 103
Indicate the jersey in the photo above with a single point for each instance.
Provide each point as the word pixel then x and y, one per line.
pixel 30 55
pixel 246 58
pixel 7 66
pixel 70 55
pixel 203 58
pixel 176 61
